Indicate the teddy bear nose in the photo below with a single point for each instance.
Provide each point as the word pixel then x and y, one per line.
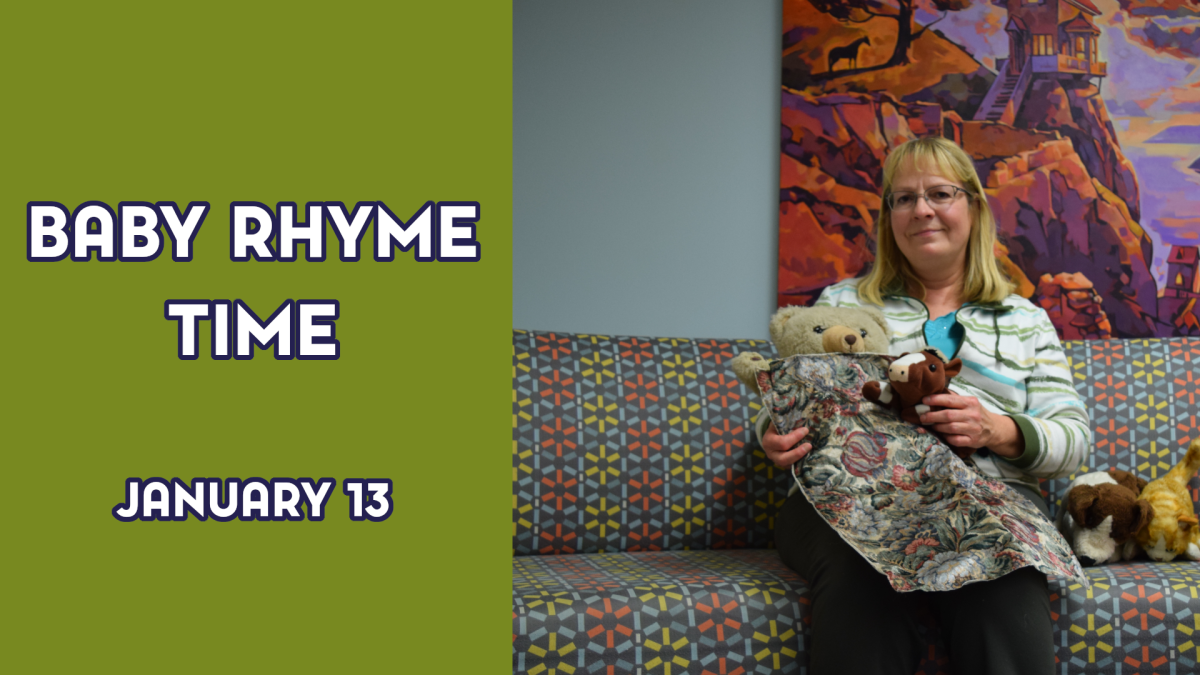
pixel 850 339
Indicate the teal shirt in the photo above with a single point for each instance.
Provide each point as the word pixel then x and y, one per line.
pixel 944 333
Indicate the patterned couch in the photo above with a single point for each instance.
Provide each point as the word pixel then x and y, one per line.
pixel 643 512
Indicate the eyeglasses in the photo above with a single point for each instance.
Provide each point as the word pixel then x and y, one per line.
pixel 938 197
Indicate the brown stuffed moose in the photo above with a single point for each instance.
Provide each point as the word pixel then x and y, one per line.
pixel 912 377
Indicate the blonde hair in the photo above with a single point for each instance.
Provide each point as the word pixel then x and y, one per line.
pixel 985 281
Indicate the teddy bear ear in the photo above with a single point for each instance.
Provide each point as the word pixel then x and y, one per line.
pixel 878 317
pixel 746 366
pixel 780 319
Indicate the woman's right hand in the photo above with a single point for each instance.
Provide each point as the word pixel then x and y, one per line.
pixel 784 450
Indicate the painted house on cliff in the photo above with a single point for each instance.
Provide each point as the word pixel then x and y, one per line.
pixel 1046 39
pixel 1179 302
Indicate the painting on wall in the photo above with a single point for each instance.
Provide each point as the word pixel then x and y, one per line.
pixel 1082 118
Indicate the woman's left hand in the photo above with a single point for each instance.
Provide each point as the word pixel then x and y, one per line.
pixel 965 423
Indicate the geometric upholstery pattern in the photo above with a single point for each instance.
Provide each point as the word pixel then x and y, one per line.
pixel 744 612
pixel 643 512
pixel 1143 397
pixel 663 611
pixel 1138 617
pixel 636 444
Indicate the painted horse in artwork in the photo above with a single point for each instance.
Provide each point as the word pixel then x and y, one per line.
pixel 849 52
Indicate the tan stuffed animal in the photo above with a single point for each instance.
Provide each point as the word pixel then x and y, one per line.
pixel 818 330
pixel 1174 529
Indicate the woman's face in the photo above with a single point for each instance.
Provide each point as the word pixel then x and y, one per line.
pixel 933 238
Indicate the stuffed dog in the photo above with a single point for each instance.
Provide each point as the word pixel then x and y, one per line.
pixel 1101 516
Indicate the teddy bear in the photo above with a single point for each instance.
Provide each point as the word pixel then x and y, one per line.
pixel 1102 514
pixel 1174 529
pixel 912 377
pixel 817 330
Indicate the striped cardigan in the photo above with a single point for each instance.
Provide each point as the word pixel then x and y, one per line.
pixel 1014 364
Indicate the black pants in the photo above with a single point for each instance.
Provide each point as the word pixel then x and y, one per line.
pixel 861 625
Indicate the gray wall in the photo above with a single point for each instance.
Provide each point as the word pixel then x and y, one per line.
pixel 646 166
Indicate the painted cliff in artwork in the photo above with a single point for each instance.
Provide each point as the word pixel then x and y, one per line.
pixel 1082 116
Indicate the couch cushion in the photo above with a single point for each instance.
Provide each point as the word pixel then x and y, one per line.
pixel 663 612
pixel 635 444
pixel 721 611
pixel 1144 400
pixel 671 611
pixel 1141 617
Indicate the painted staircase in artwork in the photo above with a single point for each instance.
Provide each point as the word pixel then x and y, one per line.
pixel 1003 100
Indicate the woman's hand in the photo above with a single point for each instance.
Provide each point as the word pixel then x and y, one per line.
pixel 966 423
pixel 782 449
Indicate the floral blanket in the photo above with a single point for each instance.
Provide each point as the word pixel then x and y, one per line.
pixel 912 508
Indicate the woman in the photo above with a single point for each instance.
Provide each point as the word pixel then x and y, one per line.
pixel 937 279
